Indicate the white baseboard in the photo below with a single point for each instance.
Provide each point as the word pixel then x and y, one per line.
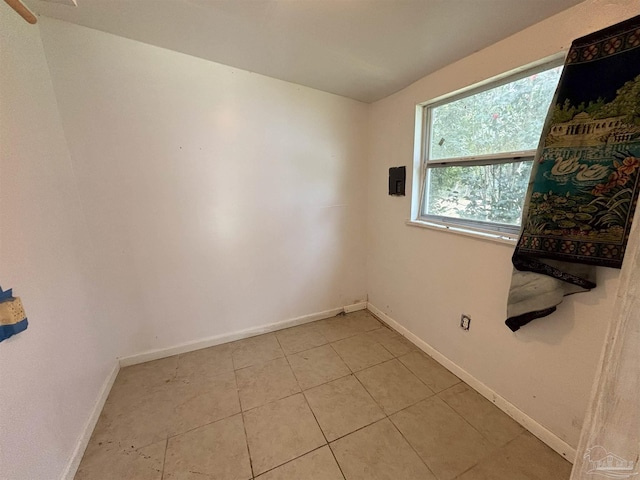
pixel 230 337
pixel 544 434
pixel 355 307
pixel 81 445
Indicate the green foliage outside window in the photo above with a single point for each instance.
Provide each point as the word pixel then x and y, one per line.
pixel 508 118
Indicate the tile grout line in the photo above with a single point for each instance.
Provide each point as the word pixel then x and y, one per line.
pixel 326 443
pixel 382 326
pixel 388 417
pixel 414 450
pixel 492 450
pixel 488 456
pixel 358 429
pixel 354 374
pixel 327 382
pixel 259 363
pixel 465 419
pixel 164 458
pixel 419 379
pixel 372 397
pixel 292 460
pixel 242 412
pixel 310 326
pixel 213 421
pixel 246 442
pixel 433 393
pixel 335 459
pixel 340 357
pixel 462 473
pixel 289 364
pixel 237 389
pixel 175 378
pixel 169 437
pixel 244 426
pixel 368 366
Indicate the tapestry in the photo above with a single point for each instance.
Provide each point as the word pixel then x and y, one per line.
pixel 584 183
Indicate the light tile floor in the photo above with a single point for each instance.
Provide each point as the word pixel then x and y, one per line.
pixel 342 398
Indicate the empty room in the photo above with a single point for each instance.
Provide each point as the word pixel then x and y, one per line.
pixel 319 239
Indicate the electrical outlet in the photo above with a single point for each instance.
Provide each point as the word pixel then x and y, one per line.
pixel 465 322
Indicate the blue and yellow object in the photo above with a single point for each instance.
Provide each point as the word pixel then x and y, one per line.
pixel 12 317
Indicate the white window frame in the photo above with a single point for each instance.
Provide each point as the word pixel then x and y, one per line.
pixel 422 164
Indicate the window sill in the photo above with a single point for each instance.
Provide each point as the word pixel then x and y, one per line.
pixel 503 238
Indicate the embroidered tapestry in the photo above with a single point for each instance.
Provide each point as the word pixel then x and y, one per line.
pixel 585 179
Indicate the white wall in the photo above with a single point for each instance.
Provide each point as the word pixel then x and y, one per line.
pixel 51 374
pixel 217 199
pixel 425 279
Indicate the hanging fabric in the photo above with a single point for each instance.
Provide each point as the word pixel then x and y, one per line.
pixel 585 179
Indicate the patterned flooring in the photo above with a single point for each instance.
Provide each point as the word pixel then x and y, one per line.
pixel 342 398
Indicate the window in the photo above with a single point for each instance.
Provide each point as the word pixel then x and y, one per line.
pixel 477 149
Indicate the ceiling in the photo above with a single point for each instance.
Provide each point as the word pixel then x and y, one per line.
pixel 362 49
